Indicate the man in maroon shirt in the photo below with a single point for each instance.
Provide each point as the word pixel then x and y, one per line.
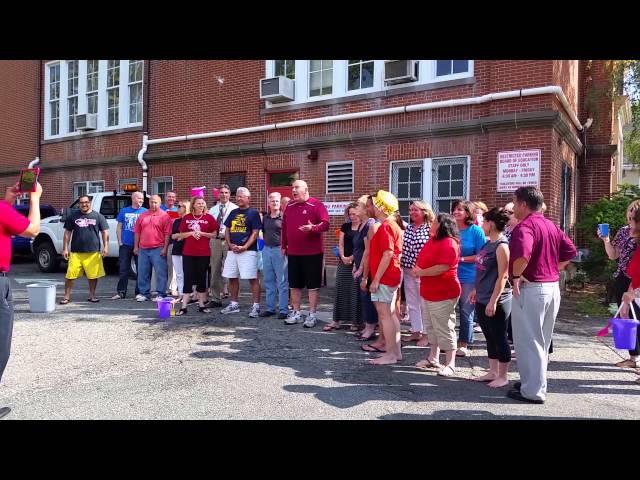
pixel 12 223
pixel 303 222
pixel 539 250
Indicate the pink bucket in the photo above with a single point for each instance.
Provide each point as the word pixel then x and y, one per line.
pixel 197 192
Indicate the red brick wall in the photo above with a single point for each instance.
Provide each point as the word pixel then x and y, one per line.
pixel 19 80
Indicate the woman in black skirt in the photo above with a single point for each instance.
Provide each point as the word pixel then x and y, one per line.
pixel 346 307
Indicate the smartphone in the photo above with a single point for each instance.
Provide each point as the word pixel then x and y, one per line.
pixel 28 180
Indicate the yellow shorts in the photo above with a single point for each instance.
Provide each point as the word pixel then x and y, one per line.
pixel 88 263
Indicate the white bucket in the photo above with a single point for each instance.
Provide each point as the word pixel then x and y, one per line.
pixel 42 297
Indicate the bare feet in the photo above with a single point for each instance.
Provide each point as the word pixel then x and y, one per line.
pixel 384 360
pixel 498 382
pixel 489 377
pixel 423 342
pixel 428 363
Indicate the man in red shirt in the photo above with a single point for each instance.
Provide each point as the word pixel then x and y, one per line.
pixel 12 223
pixel 539 250
pixel 303 222
pixel 152 231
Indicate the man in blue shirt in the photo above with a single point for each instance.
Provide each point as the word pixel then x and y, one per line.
pixel 171 202
pixel 126 222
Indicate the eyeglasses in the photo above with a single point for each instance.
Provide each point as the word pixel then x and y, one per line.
pixel 180 206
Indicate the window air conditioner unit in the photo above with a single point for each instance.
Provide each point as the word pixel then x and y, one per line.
pixel 277 89
pixel 86 122
pixel 400 71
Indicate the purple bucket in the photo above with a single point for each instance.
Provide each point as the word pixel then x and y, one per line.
pixel 624 333
pixel 164 307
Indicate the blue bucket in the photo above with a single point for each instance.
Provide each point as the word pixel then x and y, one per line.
pixel 624 333
pixel 260 244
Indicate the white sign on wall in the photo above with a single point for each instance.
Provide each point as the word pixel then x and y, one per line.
pixel 336 208
pixel 519 168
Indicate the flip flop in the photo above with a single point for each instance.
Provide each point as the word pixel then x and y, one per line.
pixel 64 301
pixel 367 339
pixel 373 349
pixel 93 300
pixel 329 328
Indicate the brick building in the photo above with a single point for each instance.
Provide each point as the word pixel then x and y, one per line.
pixel 428 129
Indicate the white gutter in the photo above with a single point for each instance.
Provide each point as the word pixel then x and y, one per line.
pixel 526 92
pixel 143 164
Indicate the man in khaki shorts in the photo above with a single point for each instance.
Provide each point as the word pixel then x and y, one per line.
pixel 84 228
pixel 220 211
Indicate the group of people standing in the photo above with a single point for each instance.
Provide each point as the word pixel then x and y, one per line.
pixel 499 266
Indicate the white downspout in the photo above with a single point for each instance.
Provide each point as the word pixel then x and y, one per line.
pixel 143 164
pixel 553 90
pixel 34 162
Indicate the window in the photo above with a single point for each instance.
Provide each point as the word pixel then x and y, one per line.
pixel 72 93
pixel 360 74
pixel 87 188
pixel 451 67
pixel 54 99
pixel 406 184
pixel 565 201
pixel 162 185
pixel 126 181
pixel 234 180
pixel 93 70
pixel 285 68
pixel 135 90
pixel 449 177
pixel 340 177
pixel 113 92
pixel 320 77
pixel 110 206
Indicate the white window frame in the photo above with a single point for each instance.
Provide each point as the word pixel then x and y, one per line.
pixel 321 71
pixel 90 187
pixel 95 91
pixel 451 76
pixel 72 96
pixel 339 163
pixel 426 75
pixel 154 185
pixel 63 131
pixel 131 84
pixel 361 89
pixel 427 175
pixel 48 100
pixel 295 73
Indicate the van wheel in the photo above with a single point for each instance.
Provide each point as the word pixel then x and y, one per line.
pixel 47 257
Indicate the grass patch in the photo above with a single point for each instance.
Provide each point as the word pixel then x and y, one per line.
pixel 591 305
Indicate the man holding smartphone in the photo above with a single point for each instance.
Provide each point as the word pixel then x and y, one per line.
pixel 12 223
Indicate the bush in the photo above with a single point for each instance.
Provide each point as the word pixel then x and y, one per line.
pixel 606 210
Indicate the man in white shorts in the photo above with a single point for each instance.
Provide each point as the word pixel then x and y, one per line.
pixel 241 233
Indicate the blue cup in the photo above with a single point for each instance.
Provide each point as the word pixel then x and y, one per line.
pixel 604 229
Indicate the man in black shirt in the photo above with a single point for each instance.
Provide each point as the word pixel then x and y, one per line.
pixel 86 255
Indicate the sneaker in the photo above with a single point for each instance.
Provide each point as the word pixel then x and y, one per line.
pixel 463 352
pixel 282 316
pixel 141 298
pixel 477 329
pixel 255 311
pixel 310 322
pixel 118 296
pixel 231 308
pixel 268 313
pixel 293 318
pixel 4 411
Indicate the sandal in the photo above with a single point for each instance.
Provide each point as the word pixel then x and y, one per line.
pixel 93 300
pixel 64 301
pixel 371 348
pixel 414 337
pixel 331 327
pixel 628 363
pixel 427 364
pixel 204 309
pixel 368 338
pixel 447 371
pixel 181 312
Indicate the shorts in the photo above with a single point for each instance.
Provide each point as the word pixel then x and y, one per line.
pixel 305 271
pixel 243 265
pixel 385 294
pixel 89 263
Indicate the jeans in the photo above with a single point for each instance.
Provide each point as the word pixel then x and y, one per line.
pixel 176 261
pixel 150 258
pixel 6 322
pixel 467 311
pixel 275 278
pixel 124 262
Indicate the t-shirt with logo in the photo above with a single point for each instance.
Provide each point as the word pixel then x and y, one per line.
pixel 204 223
pixel 241 222
pixel 127 217
pixel 85 230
